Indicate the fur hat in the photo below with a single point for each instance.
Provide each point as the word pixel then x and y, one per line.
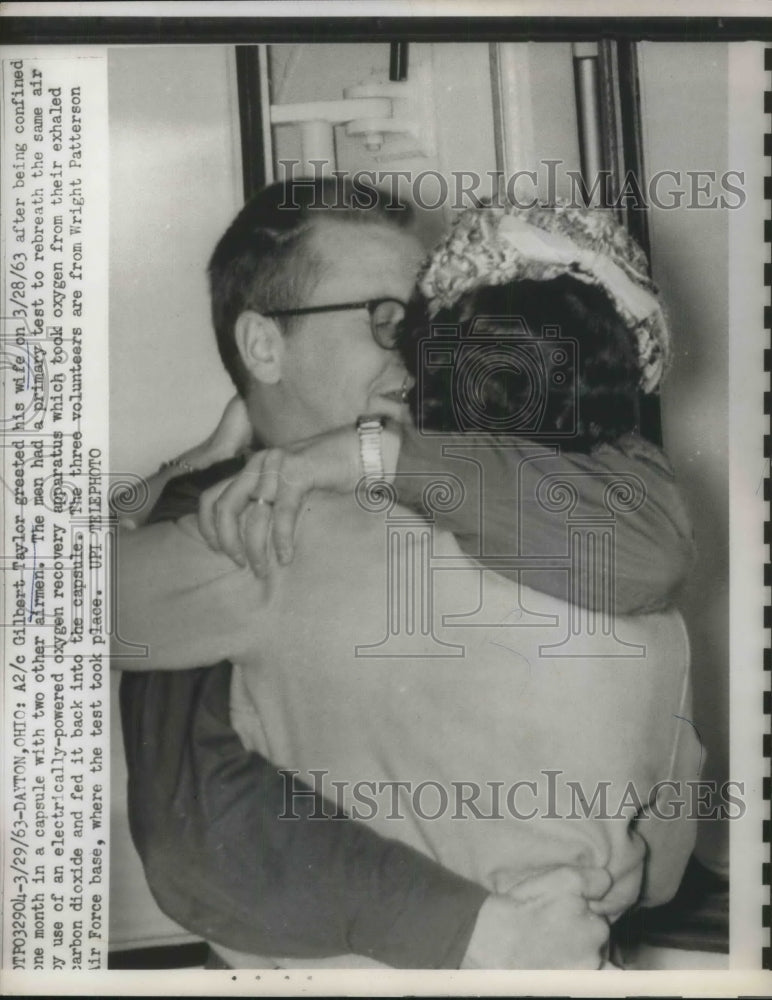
pixel 493 246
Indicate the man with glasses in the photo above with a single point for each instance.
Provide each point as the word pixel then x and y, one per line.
pixel 314 887
pixel 305 303
pixel 385 316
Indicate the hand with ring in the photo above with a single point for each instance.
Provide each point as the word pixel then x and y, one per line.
pixel 260 506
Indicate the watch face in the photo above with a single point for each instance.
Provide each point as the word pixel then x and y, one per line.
pixel 370 423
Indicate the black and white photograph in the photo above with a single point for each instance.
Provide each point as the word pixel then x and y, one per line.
pixel 384 499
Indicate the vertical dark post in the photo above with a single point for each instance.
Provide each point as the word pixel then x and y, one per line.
pixel 650 411
pixel 250 119
pixel 398 53
pixel 632 141
pixel 594 166
pixel 623 142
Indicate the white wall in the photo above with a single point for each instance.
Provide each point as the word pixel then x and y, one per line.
pixel 459 93
pixel 461 96
pixel 175 182
pixel 685 101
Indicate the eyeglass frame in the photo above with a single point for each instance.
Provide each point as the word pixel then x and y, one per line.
pixel 369 304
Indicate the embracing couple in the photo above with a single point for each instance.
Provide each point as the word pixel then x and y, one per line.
pixel 403 704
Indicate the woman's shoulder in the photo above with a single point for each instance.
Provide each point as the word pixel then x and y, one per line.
pixel 633 447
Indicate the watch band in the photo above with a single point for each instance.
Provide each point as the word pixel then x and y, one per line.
pixel 369 429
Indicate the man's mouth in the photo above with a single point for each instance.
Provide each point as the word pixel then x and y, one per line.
pixel 395 395
pixel 399 394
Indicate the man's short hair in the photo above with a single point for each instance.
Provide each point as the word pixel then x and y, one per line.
pixel 266 261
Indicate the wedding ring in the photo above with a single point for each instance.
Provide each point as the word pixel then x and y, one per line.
pixel 262 500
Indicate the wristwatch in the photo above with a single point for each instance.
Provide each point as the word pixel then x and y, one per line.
pixel 369 429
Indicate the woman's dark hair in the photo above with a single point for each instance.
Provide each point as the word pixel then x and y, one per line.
pixel 548 360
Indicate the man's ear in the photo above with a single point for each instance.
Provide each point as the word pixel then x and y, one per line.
pixel 261 345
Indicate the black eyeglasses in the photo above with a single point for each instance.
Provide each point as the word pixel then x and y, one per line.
pixel 386 315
